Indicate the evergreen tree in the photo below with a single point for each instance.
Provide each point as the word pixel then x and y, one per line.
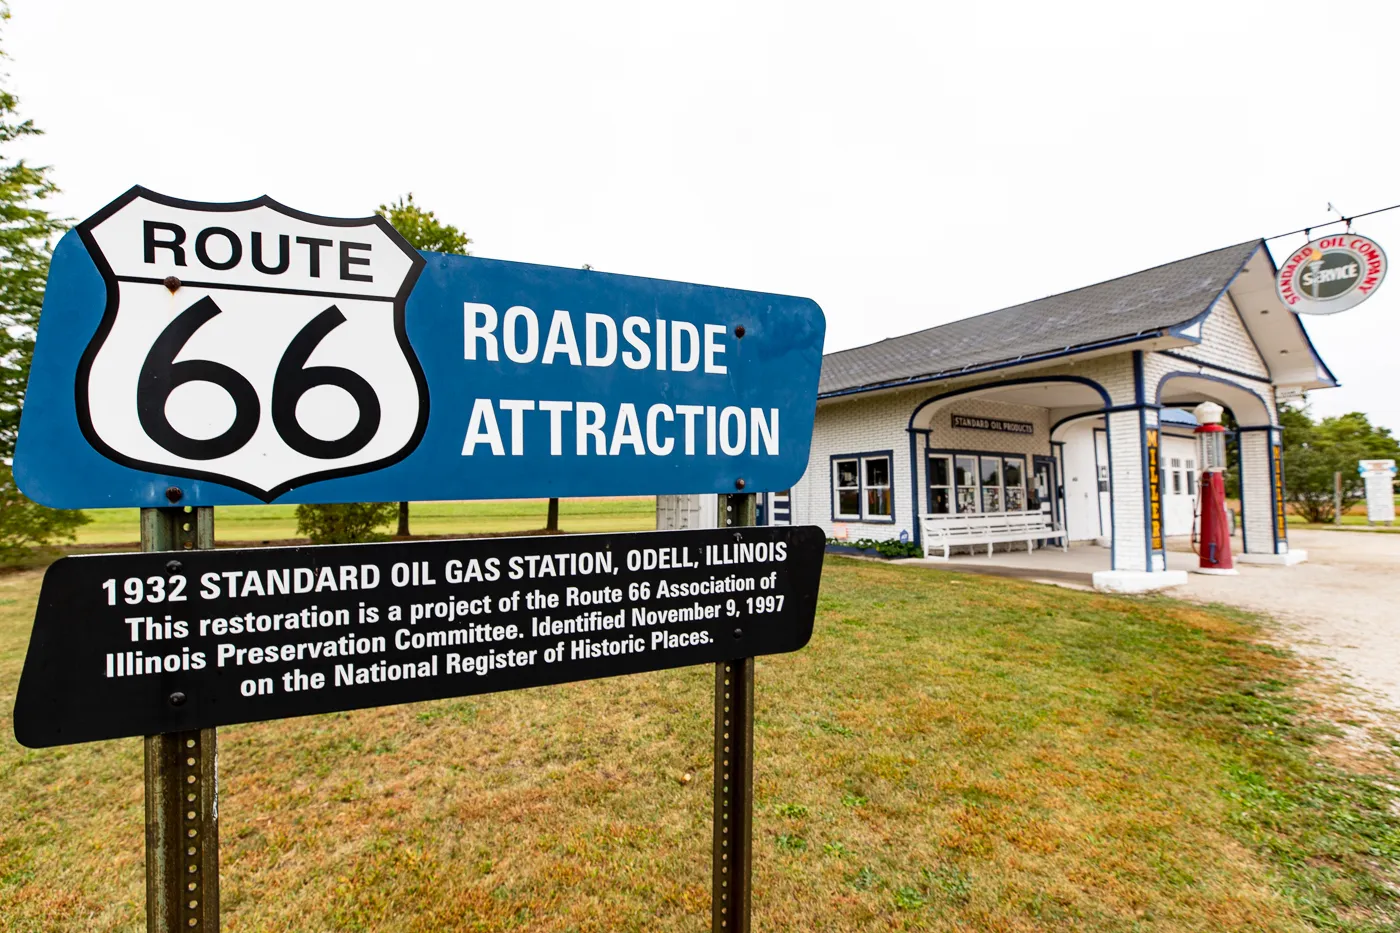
pixel 27 231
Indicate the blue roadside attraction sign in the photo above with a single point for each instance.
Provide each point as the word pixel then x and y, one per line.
pixel 212 354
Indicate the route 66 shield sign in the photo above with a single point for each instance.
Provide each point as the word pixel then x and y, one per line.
pixel 199 354
pixel 249 344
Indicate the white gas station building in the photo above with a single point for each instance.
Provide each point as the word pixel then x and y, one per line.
pixel 1073 412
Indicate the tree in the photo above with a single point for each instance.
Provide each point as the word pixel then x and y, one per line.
pixel 26 233
pixel 423 231
pixel 1314 452
pixel 344 522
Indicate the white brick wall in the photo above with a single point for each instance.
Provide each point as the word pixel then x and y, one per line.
pixel 862 424
pixel 1256 492
pixel 858 424
pixel 1156 366
pixel 865 423
pixel 1129 520
pixel 1225 342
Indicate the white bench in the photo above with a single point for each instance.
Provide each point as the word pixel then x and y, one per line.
pixel 946 531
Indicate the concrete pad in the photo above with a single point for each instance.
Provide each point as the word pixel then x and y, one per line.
pixel 1278 560
pixel 1137 581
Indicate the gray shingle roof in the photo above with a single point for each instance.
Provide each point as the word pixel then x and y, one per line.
pixel 1148 301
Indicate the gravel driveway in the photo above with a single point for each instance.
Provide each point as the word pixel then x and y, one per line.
pixel 1343 604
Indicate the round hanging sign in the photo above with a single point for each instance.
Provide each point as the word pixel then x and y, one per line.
pixel 1331 274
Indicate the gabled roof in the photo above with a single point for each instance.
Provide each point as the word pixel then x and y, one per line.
pixel 1120 310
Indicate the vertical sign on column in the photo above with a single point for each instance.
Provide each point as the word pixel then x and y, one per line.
pixel 1154 493
pixel 1280 506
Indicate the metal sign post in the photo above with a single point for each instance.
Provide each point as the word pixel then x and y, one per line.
pixel 466 377
pixel 182 784
pixel 731 879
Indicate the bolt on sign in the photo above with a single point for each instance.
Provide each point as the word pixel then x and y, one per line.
pixel 217 354
pixel 1331 274
pixel 138 644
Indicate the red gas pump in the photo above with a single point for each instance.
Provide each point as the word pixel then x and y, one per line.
pixel 1212 533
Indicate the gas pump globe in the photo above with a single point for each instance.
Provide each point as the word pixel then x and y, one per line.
pixel 1211 536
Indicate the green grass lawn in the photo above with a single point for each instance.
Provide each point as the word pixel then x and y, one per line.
pixel 278 522
pixel 949 753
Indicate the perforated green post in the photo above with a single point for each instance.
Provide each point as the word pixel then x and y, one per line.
pixel 731 879
pixel 182 783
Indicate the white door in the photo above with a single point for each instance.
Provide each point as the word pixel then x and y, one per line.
pixel 1179 477
pixel 1105 493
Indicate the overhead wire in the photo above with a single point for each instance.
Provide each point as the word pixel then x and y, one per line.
pixel 1346 220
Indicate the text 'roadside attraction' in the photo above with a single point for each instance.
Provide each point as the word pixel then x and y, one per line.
pixel 231 353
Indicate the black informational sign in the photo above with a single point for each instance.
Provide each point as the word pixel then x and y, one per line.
pixel 139 644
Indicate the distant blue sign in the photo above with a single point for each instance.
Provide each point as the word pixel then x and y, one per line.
pixel 248 353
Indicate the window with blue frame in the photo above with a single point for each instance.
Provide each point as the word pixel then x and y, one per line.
pixel 863 488
pixel 940 484
pixel 972 483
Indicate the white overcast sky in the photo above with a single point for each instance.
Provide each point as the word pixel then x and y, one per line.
pixel 903 164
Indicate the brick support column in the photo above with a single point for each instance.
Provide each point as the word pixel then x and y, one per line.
pixel 1126 473
pixel 1261 491
pixel 1139 545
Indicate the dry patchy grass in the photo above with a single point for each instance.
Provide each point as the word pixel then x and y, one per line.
pixel 949 753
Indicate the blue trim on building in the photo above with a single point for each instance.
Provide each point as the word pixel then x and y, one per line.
pixel 1282 487
pixel 1185 325
pixel 1220 369
pixel 1298 320
pixel 991 367
pixel 1137 377
pixel 1167 377
pixel 1059 457
pixel 1056 426
pixel 860 476
pixel 917 536
pixel 1038 380
pixel 952 453
pixel 1149 474
pixel 1146 486
pixel 1273 505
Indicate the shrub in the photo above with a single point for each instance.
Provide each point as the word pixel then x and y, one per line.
pixel 345 522
pixel 24 524
pixel 890 547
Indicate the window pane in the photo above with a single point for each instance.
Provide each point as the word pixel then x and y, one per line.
pixel 966 473
pixel 1190 483
pixel 1015 471
pixel 877 502
pixel 1176 482
pixel 847 475
pixel 938 501
pixel 991 471
pixel 938 471
pixel 848 502
pixel 967 499
pixel 1015 499
pixel 1176 462
pixel 991 498
pixel 877 471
